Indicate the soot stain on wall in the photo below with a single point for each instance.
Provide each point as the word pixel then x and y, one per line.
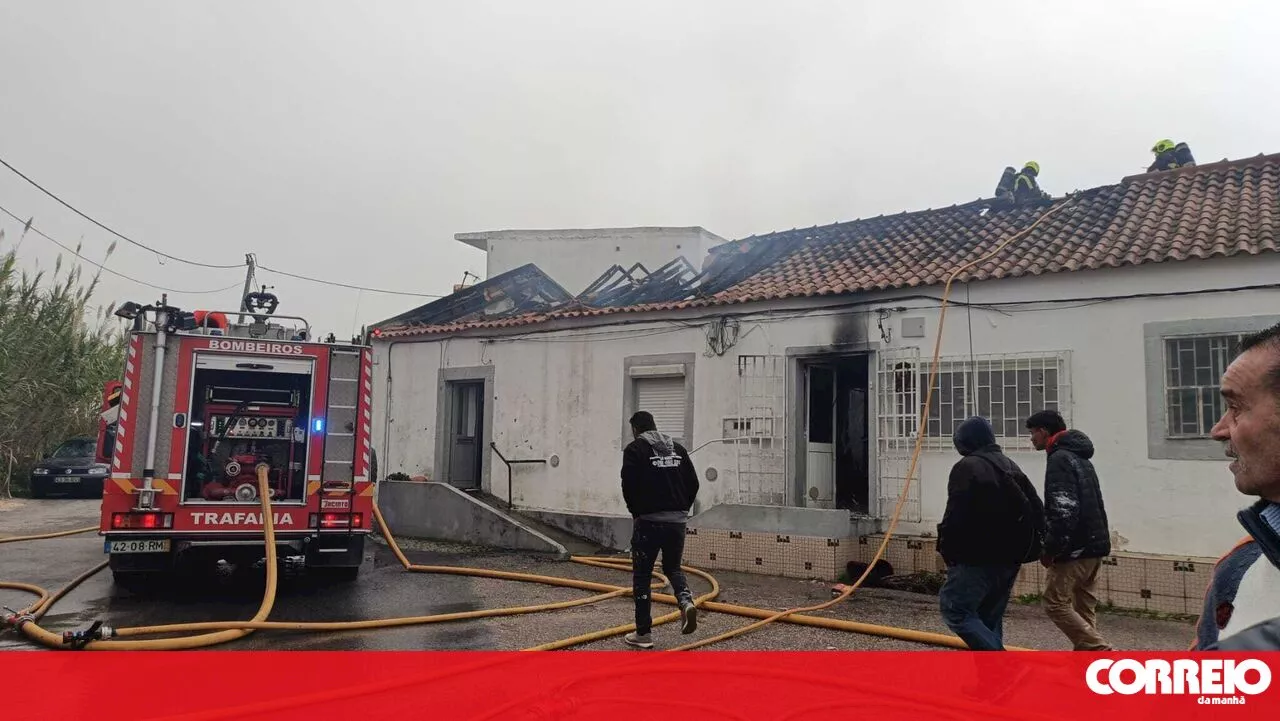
pixel 850 329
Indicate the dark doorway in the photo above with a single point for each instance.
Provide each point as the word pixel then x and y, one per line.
pixel 853 471
pixel 466 434
pixel 836 438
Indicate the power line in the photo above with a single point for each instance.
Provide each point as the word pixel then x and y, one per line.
pixel 144 246
pixel 888 304
pixel 347 285
pixel 58 243
pixel 121 236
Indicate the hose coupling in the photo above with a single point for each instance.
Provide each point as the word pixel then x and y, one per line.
pixel 17 620
pixel 79 639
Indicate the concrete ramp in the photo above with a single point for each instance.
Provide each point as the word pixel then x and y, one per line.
pixel 440 512
pixel 609 532
pixel 577 544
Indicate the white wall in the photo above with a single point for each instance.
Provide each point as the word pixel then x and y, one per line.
pixel 562 393
pixel 575 258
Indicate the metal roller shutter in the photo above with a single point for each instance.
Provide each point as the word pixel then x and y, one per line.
pixel 665 399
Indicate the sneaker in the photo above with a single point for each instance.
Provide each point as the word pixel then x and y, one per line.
pixel 688 618
pixel 639 641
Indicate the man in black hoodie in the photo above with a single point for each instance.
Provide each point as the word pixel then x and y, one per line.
pixel 1079 537
pixel 659 485
pixel 992 525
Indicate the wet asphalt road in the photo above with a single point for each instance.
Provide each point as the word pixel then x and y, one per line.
pixel 384 590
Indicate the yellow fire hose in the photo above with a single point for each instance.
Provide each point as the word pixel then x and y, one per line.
pixel 42 536
pixel 606 591
pixel 29 625
pixel 224 631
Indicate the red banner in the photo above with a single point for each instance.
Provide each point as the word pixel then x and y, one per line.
pixel 781 686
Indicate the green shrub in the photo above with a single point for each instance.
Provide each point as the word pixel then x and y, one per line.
pixel 55 355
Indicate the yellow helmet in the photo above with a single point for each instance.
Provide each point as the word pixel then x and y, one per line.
pixel 1162 146
pixel 1033 165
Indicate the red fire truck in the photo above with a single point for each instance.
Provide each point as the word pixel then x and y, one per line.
pixel 109 416
pixel 205 404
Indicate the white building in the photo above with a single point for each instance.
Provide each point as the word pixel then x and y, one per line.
pixel 794 370
pixel 574 258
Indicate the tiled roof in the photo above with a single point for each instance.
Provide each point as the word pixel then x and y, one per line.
pixel 1221 209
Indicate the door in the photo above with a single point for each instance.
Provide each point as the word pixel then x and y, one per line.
pixel 466 446
pixel 820 436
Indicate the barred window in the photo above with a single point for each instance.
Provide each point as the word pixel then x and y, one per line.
pixel 1004 389
pixel 1193 368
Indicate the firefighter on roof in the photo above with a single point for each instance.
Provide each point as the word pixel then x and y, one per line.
pixel 1004 189
pixel 1025 186
pixel 1170 156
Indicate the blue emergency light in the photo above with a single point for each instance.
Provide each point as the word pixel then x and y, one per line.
pixel 317 425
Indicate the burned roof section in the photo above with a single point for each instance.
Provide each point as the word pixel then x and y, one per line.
pixel 1215 210
pixel 514 293
pixel 618 287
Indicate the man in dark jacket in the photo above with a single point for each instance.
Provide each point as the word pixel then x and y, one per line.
pixel 992 525
pixel 1078 535
pixel 659 485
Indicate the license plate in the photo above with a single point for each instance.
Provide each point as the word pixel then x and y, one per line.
pixel 66 479
pixel 150 545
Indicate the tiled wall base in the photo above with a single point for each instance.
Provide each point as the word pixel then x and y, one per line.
pixel 1147 582
pixel 774 555
pixel 1143 582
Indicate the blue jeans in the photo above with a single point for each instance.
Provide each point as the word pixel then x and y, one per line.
pixel 973 601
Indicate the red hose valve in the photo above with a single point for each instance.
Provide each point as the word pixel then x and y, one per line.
pixel 16 620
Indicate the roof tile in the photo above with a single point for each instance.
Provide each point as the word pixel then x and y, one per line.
pixel 1220 209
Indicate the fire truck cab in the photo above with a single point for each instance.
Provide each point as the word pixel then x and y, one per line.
pixel 205 405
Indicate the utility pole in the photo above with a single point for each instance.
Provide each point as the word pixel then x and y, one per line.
pixel 249 262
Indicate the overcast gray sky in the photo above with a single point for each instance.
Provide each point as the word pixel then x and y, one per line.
pixel 351 140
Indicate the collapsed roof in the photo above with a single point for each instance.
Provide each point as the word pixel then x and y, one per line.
pixel 1216 210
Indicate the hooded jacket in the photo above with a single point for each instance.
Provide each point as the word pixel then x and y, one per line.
pixel 1076 514
pixel 658 479
pixel 994 515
